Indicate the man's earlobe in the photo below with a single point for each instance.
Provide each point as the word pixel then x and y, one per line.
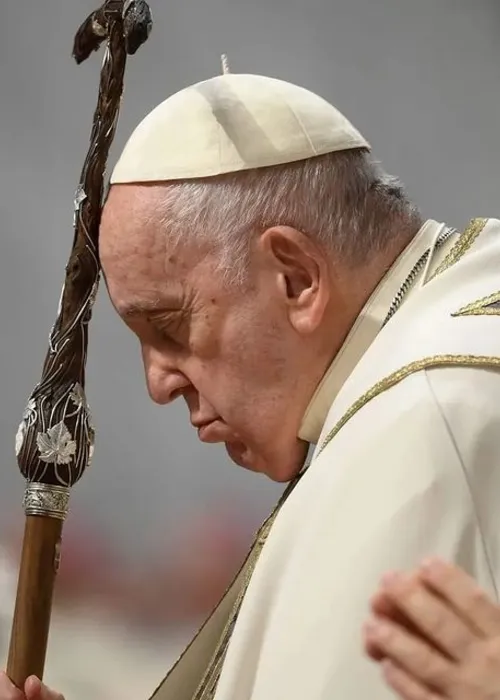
pixel 307 311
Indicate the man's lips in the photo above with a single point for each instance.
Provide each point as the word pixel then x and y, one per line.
pixel 215 431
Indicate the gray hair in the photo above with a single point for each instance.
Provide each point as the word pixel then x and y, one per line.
pixel 345 201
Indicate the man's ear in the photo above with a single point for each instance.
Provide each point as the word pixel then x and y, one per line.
pixel 301 275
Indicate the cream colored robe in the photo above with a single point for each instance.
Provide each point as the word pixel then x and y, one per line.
pixel 407 464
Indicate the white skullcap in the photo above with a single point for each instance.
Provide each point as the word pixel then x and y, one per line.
pixel 231 123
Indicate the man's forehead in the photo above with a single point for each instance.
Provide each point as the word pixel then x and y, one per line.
pixel 134 197
pixel 133 224
pixel 143 270
pixel 132 248
pixel 129 218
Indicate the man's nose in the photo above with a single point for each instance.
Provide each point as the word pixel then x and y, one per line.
pixel 164 381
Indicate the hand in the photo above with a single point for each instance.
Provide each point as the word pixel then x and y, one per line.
pixel 33 690
pixel 436 635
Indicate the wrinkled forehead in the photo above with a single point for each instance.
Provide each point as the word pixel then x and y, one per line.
pixel 137 256
pixel 133 246
pixel 131 215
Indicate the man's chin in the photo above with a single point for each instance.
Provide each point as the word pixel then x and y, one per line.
pixel 279 470
pixel 241 455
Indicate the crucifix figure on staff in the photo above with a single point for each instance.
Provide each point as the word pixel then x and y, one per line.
pixel 334 339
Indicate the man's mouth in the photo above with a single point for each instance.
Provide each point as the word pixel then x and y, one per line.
pixel 215 431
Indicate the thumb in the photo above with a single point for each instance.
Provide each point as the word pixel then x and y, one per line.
pixel 34 689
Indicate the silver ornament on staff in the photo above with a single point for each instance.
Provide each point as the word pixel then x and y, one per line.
pixel 55 440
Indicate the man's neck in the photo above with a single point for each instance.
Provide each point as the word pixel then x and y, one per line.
pixel 356 283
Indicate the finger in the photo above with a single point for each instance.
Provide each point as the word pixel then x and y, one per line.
pixel 382 605
pixel 419 659
pixel 8 690
pixel 464 594
pixel 382 600
pixel 34 689
pixel 370 647
pixel 430 615
pixel 405 685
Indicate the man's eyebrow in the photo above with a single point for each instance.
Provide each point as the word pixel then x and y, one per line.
pixel 139 308
pixel 142 308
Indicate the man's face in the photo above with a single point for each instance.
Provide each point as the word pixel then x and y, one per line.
pixel 234 355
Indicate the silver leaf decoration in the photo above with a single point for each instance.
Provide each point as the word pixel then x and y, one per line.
pixel 56 445
pixel 20 437
pixel 77 395
pixel 29 417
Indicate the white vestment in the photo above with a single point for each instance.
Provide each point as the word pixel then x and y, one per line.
pixel 407 464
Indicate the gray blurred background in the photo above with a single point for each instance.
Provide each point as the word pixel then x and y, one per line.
pixel 160 521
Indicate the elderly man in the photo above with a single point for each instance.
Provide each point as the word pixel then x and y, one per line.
pixel 284 285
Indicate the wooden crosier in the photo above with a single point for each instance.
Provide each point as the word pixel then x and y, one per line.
pixel 55 440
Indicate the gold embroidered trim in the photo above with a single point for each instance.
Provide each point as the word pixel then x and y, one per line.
pixel 208 685
pixel 461 245
pixel 213 669
pixel 400 374
pixel 487 306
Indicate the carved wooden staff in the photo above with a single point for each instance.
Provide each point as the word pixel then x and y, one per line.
pixel 55 440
